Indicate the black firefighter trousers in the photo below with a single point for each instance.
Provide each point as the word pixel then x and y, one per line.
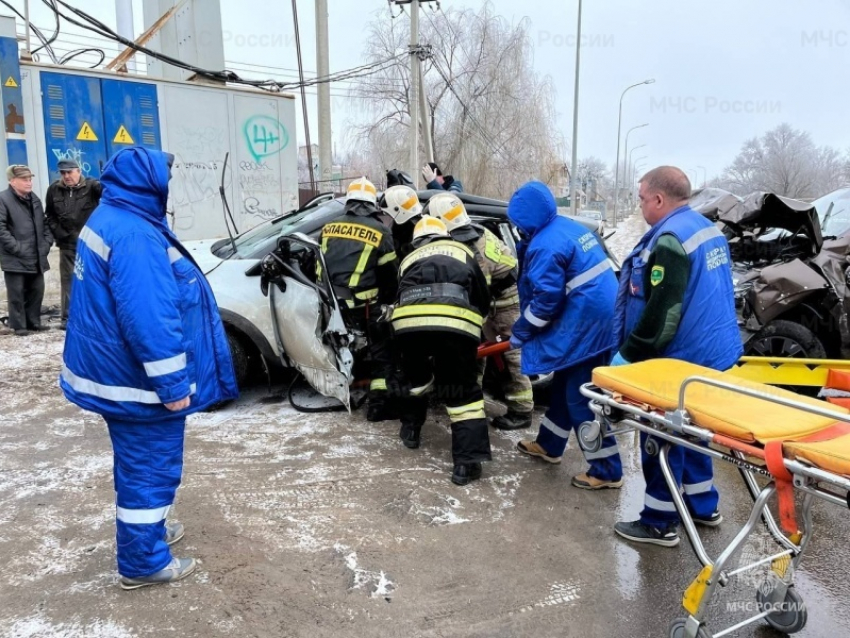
pixel 450 359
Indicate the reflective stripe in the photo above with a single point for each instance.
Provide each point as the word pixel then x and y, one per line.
pixel 141 517
pixel 437 322
pixel 387 258
pixel 445 247
pixel 493 251
pixel 561 433
pixel 95 243
pixel 507 301
pixel 698 488
pixel 466 412
pixel 644 254
pixel 410 203
pixel 534 321
pixel 525 395
pixel 657 505
pixel 421 310
pixel 112 392
pixel 365 295
pixel 361 266
pixel 602 453
pixel 174 254
pixel 588 275
pixel 422 389
pixel 378 384
pixel 166 366
pixel 698 239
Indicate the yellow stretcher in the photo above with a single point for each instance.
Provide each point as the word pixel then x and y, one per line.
pixel 800 444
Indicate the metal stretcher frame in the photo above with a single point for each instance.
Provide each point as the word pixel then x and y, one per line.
pixel 778 601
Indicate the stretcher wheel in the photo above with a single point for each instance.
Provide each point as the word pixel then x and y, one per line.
pixel 677 629
pixel 791 616
pixel 651 446
pixel 589 436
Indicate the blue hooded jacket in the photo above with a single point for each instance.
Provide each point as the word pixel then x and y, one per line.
pixel 143 328
pixel 567 286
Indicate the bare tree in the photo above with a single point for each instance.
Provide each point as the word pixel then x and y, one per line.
pixel 492 117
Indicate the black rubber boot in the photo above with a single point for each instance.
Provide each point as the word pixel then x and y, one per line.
pixel 512 421
pixel 409 435
pixel 381 409
pixel 465 473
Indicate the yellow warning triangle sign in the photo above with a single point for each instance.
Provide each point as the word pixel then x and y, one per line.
pixel 123 136
pixel 86 133
pixel 11 83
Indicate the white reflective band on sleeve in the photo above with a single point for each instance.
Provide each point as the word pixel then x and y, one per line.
pixel 698 488
pixel 142 517
pixel 602 453
pixel 658 506
pixel 588 275
pixel 174 254
pixel 534 321
pixel 706 234
pixel 95 243
pixel 166 366
pixel 554 429
pixel 112 392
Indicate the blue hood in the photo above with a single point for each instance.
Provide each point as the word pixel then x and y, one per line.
pixel 136 180
pixel 532 207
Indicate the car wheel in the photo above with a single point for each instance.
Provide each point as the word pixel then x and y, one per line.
pixel 240 358
pixel 783 338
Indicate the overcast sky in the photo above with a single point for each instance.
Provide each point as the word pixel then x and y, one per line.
pixel 725 70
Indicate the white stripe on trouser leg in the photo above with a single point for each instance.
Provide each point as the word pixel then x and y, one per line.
pixel 660 506
pixel 698 488
pixel 554 429
pixel 141 517
pixel 602 453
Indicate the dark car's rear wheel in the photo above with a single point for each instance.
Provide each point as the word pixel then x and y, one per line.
pixel 781 338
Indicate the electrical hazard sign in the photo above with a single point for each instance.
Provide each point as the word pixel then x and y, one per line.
pixel 123 136
pixel 86 133
pixel 11 83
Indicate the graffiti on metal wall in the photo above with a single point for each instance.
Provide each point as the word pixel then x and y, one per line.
pixel 260 178
pixel 72 153
pixel 265 136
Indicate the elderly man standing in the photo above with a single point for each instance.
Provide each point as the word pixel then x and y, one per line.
pixel 25 240
pixel 675 300
pixel 68 204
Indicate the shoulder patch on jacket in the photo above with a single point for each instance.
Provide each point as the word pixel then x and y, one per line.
pixel 656 275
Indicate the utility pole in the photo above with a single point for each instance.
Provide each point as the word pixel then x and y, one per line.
pixel 574 171
pixel 414 92
pixel 124 23
pixel 324 95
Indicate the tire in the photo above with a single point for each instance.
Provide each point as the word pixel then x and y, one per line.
pixel 240 358
pixel 781 338
pixel 791 617
pixel 677 629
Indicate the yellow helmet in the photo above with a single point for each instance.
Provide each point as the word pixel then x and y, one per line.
pixel 450 210
pixel 401 203
pixel 363 190
pixel 428 226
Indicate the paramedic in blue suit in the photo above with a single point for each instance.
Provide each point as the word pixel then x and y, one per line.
pixel 675 300
pixel 145 347
pixel 567 289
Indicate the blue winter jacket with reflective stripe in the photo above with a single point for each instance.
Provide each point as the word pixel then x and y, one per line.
pixel 567 286
pixel 708 332
pixel 143 328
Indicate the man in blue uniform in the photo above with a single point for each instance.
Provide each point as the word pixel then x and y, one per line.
pixel 675 300
pixel 145 348
pixel 566 289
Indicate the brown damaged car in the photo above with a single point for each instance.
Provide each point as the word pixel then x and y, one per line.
pixel 790 270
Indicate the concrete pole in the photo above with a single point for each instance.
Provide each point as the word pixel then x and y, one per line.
pixel 324 96
pixel 414 93
pixel 425 116
pixel 617 165
pixel 124 22
pixel 574 167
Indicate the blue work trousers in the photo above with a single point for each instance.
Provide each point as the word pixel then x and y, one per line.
pixel 148 463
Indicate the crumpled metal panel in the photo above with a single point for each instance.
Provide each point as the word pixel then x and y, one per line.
pixel 783 286
pixel 299 322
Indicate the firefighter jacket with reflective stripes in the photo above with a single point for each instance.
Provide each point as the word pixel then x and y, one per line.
pixel 144 328
pixel 360 257
pixel 442 288
pixel 495 260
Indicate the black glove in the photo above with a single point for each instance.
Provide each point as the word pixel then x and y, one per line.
pixel 398 385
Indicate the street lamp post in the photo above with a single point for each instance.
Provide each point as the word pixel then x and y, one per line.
pixel 573 173
pixel 629 165
pixel 626 151
pixel 637 166
pixel 619 123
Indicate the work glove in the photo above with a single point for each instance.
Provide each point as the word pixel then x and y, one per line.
pixel 618 360
pixel 428 174
pixel 398 386
pixel 516 344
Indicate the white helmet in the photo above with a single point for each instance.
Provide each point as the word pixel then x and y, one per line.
pixel 428 226
pixel 450 209
pixel 363 190
pixel 401 203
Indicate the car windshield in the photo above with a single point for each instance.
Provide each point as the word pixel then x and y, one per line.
pixel 249 242
pixel 834 212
